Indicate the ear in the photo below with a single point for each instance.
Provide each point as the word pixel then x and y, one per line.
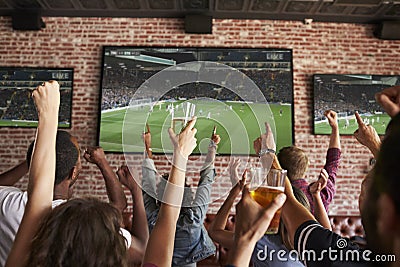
pixel 73 173
pixel 387 218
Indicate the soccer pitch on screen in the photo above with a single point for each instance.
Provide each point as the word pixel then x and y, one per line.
pixel 348 124
pixel 110 137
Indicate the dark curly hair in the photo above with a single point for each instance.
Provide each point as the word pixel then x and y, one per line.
pixel 80 232
pixel 66 155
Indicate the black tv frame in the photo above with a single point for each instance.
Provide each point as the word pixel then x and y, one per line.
pixel 37 75
pixel 222 49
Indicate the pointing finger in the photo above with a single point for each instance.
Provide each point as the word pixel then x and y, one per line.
pixel 359 119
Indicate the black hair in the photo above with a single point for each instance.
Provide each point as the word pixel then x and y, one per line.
pixel 387 175
pixel 66 156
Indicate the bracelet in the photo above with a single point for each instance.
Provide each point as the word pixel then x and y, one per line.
pixel 265 151
pixel 212 144
pixel 178 168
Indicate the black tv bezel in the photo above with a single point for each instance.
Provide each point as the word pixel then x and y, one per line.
pixel 184 47
pixel 2 68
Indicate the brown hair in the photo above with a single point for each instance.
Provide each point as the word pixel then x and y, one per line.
pixel 294 160
pixel 80 232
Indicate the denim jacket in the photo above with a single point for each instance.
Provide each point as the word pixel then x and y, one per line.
pixel 192 242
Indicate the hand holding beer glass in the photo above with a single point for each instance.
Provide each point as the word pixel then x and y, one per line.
pixel 181 115
pixel 264 187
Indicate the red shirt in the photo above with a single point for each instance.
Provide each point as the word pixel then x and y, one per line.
pixel 327 194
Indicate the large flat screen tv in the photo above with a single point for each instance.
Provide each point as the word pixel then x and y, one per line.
pixel 17 108
pixel 237 90
pixel 346 94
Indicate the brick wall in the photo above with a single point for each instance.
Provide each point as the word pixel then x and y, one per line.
pixel 317 48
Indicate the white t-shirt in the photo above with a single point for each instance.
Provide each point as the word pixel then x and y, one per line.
pixel 12 207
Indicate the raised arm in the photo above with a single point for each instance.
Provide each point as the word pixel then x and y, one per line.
pixel 332 159
pixel 319 210
pixel 10 177
pixel 139 229
pixel 212 149
pixel 217 228
pixel 148 152
pixel 164 230
pixel 367 136
pixel 265 148
pixel 42 170
pixel 114 189
pixel 334 141
pixel 293 213
pixel 389 99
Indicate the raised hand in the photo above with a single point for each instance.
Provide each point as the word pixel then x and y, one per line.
pixel 233 170
pixel 367 136
pixel 239 185
pixel 125 177
pixel 94 155
pixel 257 145
pixel 146 136
pixel 47 98
pixel 185 142
pixel 215 137
pixel 267 139
pixel 320 184
pixel 389 99
pixel 332 118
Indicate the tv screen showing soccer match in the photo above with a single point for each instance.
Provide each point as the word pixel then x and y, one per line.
pixel 17 108
pixel 155 88
pixel 346 94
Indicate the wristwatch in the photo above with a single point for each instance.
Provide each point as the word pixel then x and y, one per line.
pixel 265 151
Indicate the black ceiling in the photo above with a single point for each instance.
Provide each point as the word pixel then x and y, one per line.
pixel 357 11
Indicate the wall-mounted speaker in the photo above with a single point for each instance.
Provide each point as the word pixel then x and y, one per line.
pixel 198 24
pixel 27 20
pixel 388 30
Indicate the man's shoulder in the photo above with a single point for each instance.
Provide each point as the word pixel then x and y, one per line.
pixel 7 192
pixel 12 201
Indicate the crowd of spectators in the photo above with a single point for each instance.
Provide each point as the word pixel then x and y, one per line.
pixel 346 99
pixel 17 104
pixel 120 86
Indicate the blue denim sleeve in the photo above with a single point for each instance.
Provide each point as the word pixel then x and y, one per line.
pixel 203 193
pixel 149 185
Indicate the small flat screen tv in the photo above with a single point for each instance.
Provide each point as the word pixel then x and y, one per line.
pixel 17 108
pixel 236 90
pixel 346 94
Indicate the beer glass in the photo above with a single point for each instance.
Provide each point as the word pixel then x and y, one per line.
pixel 181 115
pixel 264 187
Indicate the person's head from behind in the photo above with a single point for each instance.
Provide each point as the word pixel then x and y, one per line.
pixel 80 232
pixel 68 163
pixel 381 208
pixel 294 160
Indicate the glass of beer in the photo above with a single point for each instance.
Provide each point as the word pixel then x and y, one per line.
pixel 181 114
pixel 264 187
